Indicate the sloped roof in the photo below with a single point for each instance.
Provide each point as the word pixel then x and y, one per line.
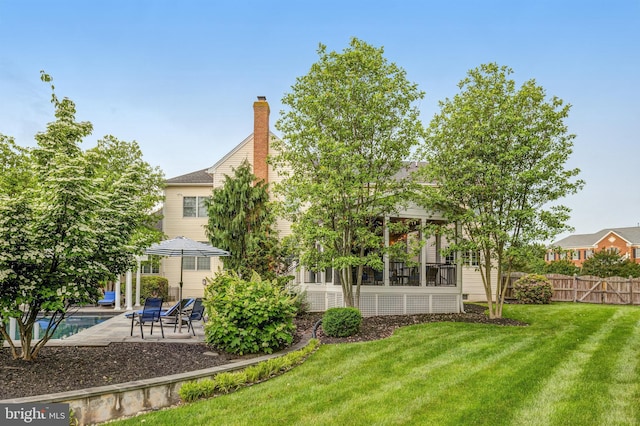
pixel 631 235
pixel 199 177
pixel 246 140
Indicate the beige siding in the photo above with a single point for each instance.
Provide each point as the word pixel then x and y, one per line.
pixel 472 284
pixel 233 161
pixel 174 225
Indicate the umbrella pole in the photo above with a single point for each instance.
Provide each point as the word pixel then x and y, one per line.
pixel 180 296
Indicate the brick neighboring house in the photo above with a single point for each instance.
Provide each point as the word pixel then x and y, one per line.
pixel 579 247
pixel 431 283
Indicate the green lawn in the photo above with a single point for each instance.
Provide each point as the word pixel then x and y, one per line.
pixel 576 364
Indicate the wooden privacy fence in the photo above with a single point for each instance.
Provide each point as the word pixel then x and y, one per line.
pixel 588 289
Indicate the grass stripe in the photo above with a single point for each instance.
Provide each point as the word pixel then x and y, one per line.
pixel 624 392
pixel 541 407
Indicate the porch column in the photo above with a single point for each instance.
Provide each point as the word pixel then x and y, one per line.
pixel 128 280
pixel 116 284
pixel 459 267
pixel 423 254
pixel 139 259
pixel 137 284
pixel 386 256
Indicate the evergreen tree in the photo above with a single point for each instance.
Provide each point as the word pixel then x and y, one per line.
pixel 241 221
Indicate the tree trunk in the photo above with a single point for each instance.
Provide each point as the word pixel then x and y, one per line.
pixel 347 287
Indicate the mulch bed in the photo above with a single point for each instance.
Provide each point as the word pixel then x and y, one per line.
pixel 65 368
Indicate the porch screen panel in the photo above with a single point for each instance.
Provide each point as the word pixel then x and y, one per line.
pixel 316 301
pixel 390 304
pixel 417 304
pixel 368 305
pixel 444 303
pixel 334 300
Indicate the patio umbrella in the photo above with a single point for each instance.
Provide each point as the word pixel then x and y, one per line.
pixel 182 246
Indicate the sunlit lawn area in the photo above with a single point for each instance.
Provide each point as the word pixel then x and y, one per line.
pixel 575 364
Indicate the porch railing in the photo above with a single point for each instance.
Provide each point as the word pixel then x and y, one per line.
pixel 437 274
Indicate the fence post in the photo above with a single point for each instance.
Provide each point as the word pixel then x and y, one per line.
pixel 575 288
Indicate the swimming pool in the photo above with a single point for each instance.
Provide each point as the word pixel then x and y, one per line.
pixel 69 326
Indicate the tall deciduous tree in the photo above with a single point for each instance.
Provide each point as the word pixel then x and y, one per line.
pixel 497 155
pixel 69 220
pixel 241 221
pixel 350 127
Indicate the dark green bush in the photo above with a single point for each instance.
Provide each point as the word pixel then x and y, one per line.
pixel 248 316
pixel 341 322
pixel 150 286
pixel 533 289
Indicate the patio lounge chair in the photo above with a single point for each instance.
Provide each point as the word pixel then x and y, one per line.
pixel 150 313
pixel 196 314
pixel 109 299
pixel 170 312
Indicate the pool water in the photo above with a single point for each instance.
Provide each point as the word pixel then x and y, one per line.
pixel 69 326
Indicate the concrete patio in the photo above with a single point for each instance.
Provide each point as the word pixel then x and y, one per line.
pixel 118 329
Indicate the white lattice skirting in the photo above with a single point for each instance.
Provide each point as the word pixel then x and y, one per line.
pixel 374 303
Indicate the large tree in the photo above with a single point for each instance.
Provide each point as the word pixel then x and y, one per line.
pixel 497 155
pixel 69 221
pixel 350 126
pixel 241 221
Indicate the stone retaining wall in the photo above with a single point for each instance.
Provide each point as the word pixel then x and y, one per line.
pixel 104 403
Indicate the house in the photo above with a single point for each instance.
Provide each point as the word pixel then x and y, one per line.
pixel 579 247
pixel 430 283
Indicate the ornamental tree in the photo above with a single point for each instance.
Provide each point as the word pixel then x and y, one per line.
pixel 496 155
pixel 348 131
pixel 241 221
pixel 609 263
pixel 69 220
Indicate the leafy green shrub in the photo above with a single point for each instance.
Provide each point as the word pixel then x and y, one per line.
pixel 341 322
pixel 563 266
pixel 248 316
pixel 230 381
pixel 534 289
pixel 150 286
pixel 192 391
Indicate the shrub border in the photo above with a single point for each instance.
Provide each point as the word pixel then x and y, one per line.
pixel 104 403
pixel 230 381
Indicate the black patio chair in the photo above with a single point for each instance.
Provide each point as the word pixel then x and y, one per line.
pixel 196 314
pixel 150 313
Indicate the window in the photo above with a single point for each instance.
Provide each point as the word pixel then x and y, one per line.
pixel 588 254
pixel 471 258
pixel 202 206
pixel 575 255
pixel 551 256
pixel 191 263
pixel 636 253
pixel 194 206
pixel 450 258
pixel 151 266
pixel 203 263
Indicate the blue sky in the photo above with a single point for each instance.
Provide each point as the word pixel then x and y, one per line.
pixel 180 77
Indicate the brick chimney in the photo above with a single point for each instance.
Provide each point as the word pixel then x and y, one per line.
pixel 261 138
